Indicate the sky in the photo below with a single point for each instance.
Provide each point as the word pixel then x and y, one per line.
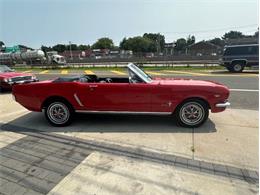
pixel 48 22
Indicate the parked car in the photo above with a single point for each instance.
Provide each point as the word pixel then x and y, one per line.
pixel 236 57
pixel 189 100
pixel 8 78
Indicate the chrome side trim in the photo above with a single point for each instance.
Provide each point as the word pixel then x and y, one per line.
pixel 222 105
pixel 122 112
pixel 78 100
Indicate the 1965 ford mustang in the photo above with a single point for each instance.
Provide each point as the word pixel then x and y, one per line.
pixel 188 100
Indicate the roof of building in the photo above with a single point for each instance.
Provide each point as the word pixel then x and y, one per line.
pixel 203 45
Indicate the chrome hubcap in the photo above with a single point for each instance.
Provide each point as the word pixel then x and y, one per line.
pixel 58 113
pixel 191 113
pixel 237 67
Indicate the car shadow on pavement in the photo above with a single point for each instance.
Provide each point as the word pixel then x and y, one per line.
pixel 109 123
pixel 4 92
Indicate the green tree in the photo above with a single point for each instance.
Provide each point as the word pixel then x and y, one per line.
pixel 83 47
pixel 256 34
pixel 103 43
pixel 138 44
pixel 2 46
pixel 190 40
pixel 157 39
pixel 1 43
pixel 181 44
pixel 45 48
pixel 59 48
pixel 73 47
pixel 233 35
pixel 124 44
pixel 217 41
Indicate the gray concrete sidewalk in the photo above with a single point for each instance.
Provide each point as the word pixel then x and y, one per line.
pixel 109 174
pixel 39 161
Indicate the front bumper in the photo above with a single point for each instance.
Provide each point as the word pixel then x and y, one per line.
pixel 8 85
pixel 24 81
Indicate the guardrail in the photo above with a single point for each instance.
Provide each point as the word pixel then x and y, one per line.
pixel 190 63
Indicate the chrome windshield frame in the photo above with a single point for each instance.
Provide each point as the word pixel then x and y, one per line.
pixel 139 72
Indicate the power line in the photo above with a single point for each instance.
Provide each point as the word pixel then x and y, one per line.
pixel 212 30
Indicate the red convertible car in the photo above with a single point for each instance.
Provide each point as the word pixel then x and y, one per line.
pixel 8 78
pixel 188 100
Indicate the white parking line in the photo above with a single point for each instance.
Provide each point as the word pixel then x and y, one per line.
pixel 245 90
pixel 118 72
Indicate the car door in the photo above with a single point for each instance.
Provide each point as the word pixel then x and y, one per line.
pixel 103 96
pixel 163 98
pixel 253 57
pixel 138 97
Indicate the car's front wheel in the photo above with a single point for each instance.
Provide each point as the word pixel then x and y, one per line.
pixel 59 113
pixel 192 113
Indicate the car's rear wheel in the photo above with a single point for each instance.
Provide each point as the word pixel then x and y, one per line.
pixel 59 113
pixel 192 113
pixel 237 67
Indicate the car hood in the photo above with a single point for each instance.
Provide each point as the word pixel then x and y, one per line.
pixel 186 82
pixel 12 74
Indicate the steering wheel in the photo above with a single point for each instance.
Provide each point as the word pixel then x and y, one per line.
pixel 85 79
pixel 131 80
pixel 108 80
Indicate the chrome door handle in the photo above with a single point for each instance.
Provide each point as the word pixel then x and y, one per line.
pixel 92 87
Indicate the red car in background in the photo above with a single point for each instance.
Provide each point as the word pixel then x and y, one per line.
pixel 9 77
pixel 188 100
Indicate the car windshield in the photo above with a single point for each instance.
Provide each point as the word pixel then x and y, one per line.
pixel 140 73
pixel 5 69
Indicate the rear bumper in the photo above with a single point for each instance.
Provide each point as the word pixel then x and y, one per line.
pixel 5 85
pixel 222 105
pixel 219 106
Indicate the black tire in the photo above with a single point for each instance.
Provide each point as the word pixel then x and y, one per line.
pixel 200 107
pixel 237 67
pixel 64 113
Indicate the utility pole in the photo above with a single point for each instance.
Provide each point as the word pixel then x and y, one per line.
pixel 158 44
pixel 70 50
